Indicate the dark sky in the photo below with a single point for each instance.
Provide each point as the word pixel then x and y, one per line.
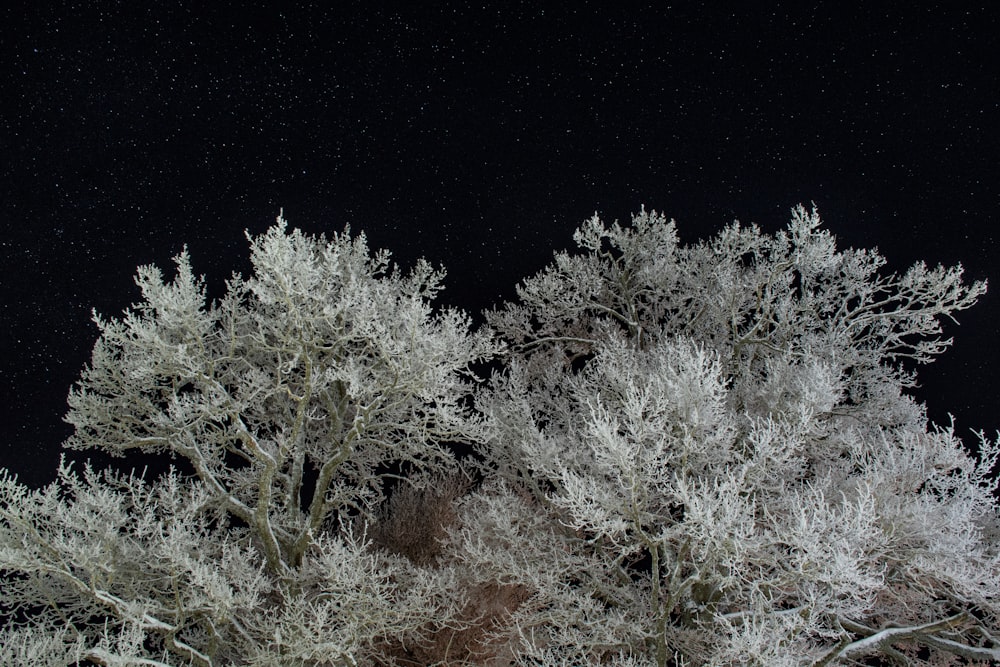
pixel 478 138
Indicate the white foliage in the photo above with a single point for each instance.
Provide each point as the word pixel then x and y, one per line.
pixel 734 413
pixel 693 455
pixel 289 399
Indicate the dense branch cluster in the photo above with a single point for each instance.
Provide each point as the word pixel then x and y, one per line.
pixel 686 455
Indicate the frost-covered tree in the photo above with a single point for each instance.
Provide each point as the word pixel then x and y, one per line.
pixel 713 448
pixel 288 401
pixel 691 455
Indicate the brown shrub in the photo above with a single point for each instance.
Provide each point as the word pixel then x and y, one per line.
pixel 415 520
pixel 414 523
pixel 469 639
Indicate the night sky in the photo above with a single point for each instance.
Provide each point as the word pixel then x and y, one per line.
pixel 478 138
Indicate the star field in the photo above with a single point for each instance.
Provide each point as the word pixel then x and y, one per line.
pixel 478 137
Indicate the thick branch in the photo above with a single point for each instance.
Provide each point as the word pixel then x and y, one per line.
pixel 874 642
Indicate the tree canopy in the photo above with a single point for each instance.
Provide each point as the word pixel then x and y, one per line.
pixel 684 455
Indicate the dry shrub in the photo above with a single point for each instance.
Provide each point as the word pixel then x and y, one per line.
pixel 469 639
pixel 414 523
pixel 415 520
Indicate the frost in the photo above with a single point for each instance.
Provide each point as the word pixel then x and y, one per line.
pixel 687 455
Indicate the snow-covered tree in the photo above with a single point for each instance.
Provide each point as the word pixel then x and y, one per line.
pixel 690 455
pixel 288 402
pixel 731 472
